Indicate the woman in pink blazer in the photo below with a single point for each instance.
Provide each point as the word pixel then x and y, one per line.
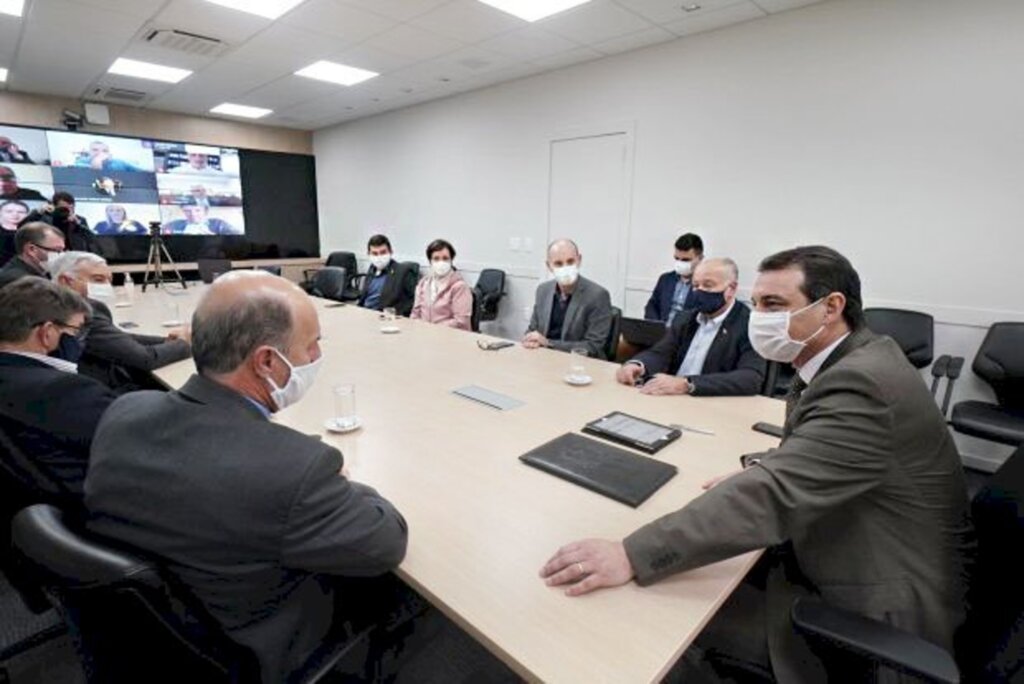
pixel 443 296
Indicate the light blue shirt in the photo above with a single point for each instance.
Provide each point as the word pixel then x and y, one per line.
pixel 700 345
pixel 678 299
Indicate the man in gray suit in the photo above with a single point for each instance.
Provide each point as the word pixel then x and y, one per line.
pixel 255 519
pixel 864 498
pixel 570 312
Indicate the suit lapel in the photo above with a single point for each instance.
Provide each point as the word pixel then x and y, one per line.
pixel 574 306
pixel 544 307
pixel 722 340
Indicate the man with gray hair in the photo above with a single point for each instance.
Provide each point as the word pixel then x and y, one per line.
pixel 34 245
pixel 121 360
pixel 257 520
pixel 705 351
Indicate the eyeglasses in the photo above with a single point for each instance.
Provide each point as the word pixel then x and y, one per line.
pixel 80 331
pixel 52 250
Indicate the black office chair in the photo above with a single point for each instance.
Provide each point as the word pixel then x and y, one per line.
pixel 913 331
pixel 209 269
pixel 1000 363
pixel 347 261
pixel 129 622
pixel 413 266
pixel 474 317
pixel 611 345
pixel 490 288
pixel 329 283
pixel 272 270
pixel 990 644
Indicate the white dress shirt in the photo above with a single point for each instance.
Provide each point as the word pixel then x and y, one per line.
pixel 813 365
pixel 700 345
pixel 52 361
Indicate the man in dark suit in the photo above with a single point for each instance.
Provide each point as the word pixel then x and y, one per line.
pixel 706 351
pixel 570 311
pixel 673 287
pixel 254 518
pixel 48 411
pixel 34 244
pixel 121 360
pixel 864 499
pixel 60 214
pixel 387 284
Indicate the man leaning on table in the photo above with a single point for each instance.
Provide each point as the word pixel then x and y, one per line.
pixel 864 499
pixel 705 351
pixel 570 311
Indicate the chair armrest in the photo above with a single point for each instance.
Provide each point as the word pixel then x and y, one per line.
pixel 876 641
pixel 955 366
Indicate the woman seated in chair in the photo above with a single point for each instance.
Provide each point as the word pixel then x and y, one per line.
pixel 443 296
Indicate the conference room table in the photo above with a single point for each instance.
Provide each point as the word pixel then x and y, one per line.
pixel 482 523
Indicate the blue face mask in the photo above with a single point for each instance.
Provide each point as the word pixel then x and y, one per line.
pixel 68 348
pixel 705 302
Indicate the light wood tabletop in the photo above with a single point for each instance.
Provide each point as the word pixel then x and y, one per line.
pixel 481 523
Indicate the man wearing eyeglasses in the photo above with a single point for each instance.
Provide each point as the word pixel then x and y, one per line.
pixel 33 245
pixel 48 412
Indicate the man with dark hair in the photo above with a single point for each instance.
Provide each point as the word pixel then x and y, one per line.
pixel 60 213
pixel 197 221
pixel 864 499
pixel 255 519
pixel 48 411
pixel 673 287
pixel 34 243
pixel 387 282
pixel 9 188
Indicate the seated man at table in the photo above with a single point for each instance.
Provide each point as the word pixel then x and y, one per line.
pixel 387 284
pixel 254 518
pixel 706 351
pixel 119 359
pixel 670 293
pixel 864 499
pixel 570 311
pixel 34 245
pixel 47 410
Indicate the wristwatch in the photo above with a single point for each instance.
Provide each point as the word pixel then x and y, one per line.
pixel 691 388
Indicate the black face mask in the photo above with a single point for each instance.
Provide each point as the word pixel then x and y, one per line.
pixel 68 348
pixel 704 302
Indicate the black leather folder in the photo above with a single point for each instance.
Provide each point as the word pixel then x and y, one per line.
pixel 616 473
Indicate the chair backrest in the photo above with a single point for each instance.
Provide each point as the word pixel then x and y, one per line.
pixel 1000 363
pixel 211 268
pixel 474 317
pixel 128 623
pixel 329 282
pixel 346 260
pixel 611 345
pixel 490 287
pixel 913 331
pixel 413 266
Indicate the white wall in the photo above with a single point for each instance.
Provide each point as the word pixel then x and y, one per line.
pixel 890 130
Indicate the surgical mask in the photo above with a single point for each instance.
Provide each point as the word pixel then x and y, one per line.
pixel 68 348
pixel 380 261
pixel 45 262
pixel 566 275
pixel 705 302
pixel 300 379
pixel 99 290
pixel 769 334
pixel 441 268
pixel 684 268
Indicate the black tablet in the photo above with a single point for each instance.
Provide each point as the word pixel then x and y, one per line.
pixel 632 431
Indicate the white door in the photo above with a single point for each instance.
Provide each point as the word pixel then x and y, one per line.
pixel 588 203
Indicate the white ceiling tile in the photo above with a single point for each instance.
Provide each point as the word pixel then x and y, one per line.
pixel 285 92
pixel 529 43
pixel 634 41
pixel 10 28
pixel 563 59
pixel 733 14
pixel 331 17
pixel 473 60
pixel 773 6
pixel 207 19
pixel 366 56
pixel 399 10
pixel 166 57
pixel 292 47
pixel 138 8
pixel 665 11
pixel 468 20
pixel 594 22
pixel 414 43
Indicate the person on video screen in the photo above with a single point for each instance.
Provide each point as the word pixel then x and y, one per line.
pixel 198 162
pixel 196 221
pixel 9 188
pixel 11 153
pixel 118 223
pixel 100 159
pixel 12 212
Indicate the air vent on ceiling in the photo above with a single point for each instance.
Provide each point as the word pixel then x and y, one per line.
pixel 119 94
pixel 185 41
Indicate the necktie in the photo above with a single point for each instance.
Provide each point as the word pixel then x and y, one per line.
pixel 796 389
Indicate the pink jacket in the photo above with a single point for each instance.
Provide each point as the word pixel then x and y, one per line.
pixel 453 305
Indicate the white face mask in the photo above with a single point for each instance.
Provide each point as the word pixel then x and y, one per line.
pixel 300 379
pixel 441 268
pixel 684 268
pixel 99 290
pixel 380 261
pixel 769 334
pixel 566 275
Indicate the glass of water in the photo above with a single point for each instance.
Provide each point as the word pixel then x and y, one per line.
pixel 345 417
pixel 577 367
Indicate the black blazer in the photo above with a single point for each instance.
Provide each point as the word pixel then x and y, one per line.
pixel 51 417
pixel 120 359
pixel 18 268
pixel 247 514
pixel 659 306
pixel 399 288
pixel 731 368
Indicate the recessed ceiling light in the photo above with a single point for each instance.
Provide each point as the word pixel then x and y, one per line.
pixel 332 72
pixel 241 110
pixel 12 7
pixel 153 72
pixel 271 9
pixel 3 75
pixel 532 10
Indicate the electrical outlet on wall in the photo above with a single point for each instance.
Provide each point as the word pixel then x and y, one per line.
pixel 514 243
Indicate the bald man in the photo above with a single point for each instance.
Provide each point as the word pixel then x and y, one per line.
pixel 706 351
pixel 570 311
pixel 257 520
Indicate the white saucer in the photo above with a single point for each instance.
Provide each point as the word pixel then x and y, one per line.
pixel 332 426
pixel 390 329
pixel 578 381
pixel 122 305
pixel 171 324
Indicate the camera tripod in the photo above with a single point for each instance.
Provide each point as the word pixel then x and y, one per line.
pixel 158 256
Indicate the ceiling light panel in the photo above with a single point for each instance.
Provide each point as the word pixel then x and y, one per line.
pixel 332 72
pixel 532 10
pixel 148 70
